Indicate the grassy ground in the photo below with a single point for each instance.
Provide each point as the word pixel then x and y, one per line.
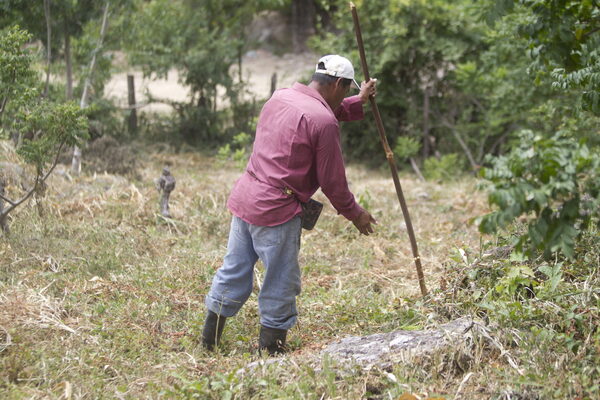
pixel 102 298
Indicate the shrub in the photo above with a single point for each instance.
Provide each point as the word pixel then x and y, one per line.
pixel 446 168
pixel 406 147
pixel 556 181
pixel 238 151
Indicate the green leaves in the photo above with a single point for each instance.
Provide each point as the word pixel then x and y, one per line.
pixel 406 147
pixel 53 126
pixel 553 184
pixel 564 37
pixel 50 124
pixel 16 74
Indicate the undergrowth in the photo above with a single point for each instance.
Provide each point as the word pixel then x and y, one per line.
pixel 100 297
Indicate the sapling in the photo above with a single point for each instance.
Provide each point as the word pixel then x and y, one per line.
pixel 52 126
pixel 58 125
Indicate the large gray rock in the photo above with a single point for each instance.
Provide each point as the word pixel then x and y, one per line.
pixel 381 350
pixel 384 349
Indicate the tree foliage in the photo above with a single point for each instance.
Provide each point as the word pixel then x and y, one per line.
pixel 554 180
pixel 564 42
pixel 445 77
pixel 16 74
pixel 50 126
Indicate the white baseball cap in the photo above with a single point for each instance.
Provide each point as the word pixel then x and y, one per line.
pixel 337 66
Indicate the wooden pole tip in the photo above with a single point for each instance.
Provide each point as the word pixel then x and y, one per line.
pixel 352 6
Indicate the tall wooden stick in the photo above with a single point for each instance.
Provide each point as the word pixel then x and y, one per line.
pixel 389 155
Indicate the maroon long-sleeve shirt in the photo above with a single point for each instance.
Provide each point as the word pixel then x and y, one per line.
pixel 297 147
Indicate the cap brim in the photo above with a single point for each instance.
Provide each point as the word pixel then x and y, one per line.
pixel 357 85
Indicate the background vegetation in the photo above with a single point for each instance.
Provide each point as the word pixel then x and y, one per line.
pixel 102 297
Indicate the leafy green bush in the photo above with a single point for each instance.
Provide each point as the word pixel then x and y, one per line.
pixel 237 151
pixel 406 147
pixel 557 180
pixel 61 125
pixel 17 77
pixel 447 168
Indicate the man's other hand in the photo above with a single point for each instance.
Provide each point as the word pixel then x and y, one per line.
pixel 363 223
pixel 368 89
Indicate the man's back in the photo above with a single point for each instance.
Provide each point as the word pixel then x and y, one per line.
pixel 297 147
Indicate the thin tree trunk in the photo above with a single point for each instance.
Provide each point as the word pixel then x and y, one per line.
pixel 3 106
pixel 69 88
pixel 76 163
pixel 303 22
pixel 426 142
pixel 415 168
pixel 295 26
pixel 239 60
pixel 273 83
pixel 498 143
pixel 3 217
pixel 48 45
pixel 132 121
pixel 462 144
pixel 465 148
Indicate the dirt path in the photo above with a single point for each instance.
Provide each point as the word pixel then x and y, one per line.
pixel 257 68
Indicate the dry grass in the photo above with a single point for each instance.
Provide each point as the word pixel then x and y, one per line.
pixel 102 297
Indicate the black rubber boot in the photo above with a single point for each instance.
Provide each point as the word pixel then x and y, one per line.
pixel 272 340
pixel 213 328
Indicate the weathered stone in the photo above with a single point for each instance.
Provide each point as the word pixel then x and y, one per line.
pixel 380 350
pixel 384 349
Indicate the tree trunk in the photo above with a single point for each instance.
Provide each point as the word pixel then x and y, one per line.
pixel 48 45
pixel 69 88
pixel 465 148
pixel 461 143
pixel 239 61
pixel 303 23
pixel 3 216
pixel 76 163
pixel 132 120
pixel 415 168
pixel 426 142
pixel 273 83
pixel 3 102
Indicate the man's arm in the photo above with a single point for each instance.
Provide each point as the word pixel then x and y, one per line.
pixel 351 108
pixel 331 175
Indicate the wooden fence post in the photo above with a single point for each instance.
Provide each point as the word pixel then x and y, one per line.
pixel 132 120
pixel 273 83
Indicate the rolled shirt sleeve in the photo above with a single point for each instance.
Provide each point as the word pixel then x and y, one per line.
pixel 351 109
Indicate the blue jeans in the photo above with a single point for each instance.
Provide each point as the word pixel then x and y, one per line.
pixel 278 248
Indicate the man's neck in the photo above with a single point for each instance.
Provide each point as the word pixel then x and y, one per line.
pixel 322 91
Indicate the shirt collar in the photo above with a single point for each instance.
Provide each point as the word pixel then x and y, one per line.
pixel 311 92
